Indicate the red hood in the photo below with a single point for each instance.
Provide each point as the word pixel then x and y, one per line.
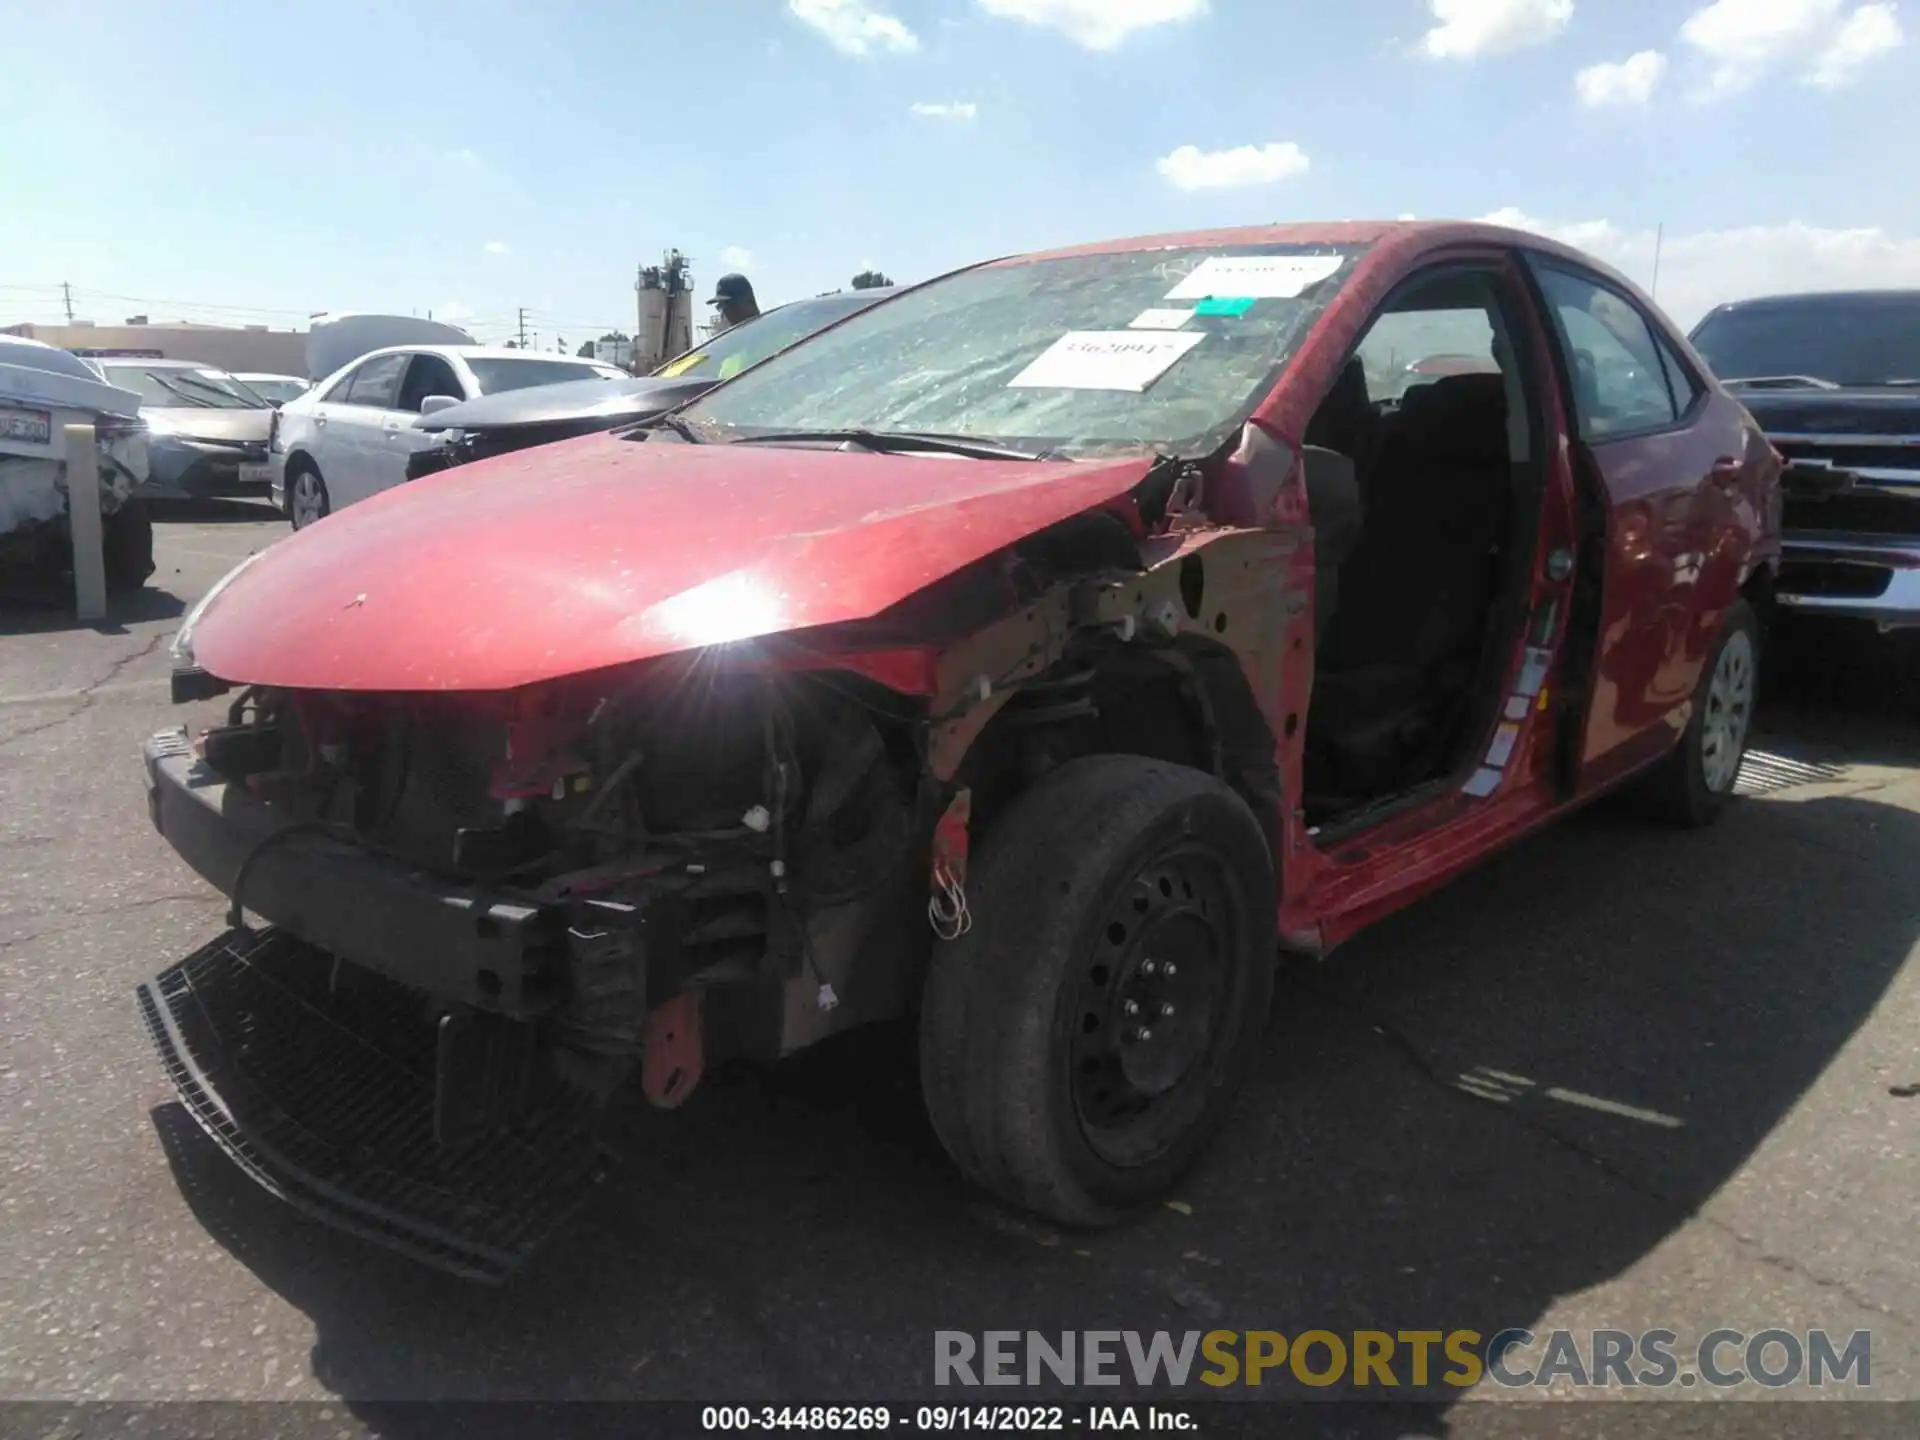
pixel 601 551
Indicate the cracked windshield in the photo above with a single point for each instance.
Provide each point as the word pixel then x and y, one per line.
pixel 937 716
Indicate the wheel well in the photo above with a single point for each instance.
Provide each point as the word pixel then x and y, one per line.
pixel 1188 705
pixel 1759 593
pixel 301 460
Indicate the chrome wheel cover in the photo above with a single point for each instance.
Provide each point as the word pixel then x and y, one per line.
pixel 1723 729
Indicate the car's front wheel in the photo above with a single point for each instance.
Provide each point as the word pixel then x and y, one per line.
pixel 307 498
pixel 1696 781
pixel 1084 1040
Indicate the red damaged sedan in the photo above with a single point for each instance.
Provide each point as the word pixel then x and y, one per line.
pixel 1042 652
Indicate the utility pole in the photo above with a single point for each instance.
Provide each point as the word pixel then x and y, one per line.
pixel 523 327
pixel 1659 235
pixel 66 292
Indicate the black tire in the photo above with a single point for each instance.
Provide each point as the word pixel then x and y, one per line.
pixel 1024 1016
pixel 126 544
pixel 307 469
pixel 1694 784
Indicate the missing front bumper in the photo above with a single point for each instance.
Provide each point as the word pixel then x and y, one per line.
pixel 332 1097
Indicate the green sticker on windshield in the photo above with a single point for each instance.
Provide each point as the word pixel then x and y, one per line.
pixel 1230 305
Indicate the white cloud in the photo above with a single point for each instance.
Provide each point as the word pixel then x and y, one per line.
pixel 1870 31
pixel 736 257
pixel 1631 81
pixel 1743 40
pixel 1490 27
pixel 1191 168
pixel 945 110
pixel 1096 24
pixel 468 158
pixel 498 247
pixel 1703 268
pixel 855 28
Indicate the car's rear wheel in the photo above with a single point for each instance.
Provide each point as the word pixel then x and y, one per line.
pixel 307 498
pixel 1696 782
pixel 1085 1039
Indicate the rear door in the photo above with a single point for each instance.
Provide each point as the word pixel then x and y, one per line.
pixel 1668 454
pixel 357 429
pixel 319 428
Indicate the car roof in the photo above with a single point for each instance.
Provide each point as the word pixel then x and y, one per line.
pixel 469 352
pixel 148 362
pixel 476 352
pixel 1408 239
pixel 1817 298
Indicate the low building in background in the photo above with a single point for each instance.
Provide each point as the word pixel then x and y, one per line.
pixel 223 347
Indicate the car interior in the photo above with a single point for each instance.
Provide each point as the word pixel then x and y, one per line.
pixel 1418 541
pixel 428 375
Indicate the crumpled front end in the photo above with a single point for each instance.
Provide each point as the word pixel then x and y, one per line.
pixel 524 897
pixel 534 900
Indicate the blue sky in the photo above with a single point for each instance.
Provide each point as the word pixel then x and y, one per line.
pixel 266 161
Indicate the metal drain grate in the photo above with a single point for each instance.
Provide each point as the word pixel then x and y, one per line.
pixel 324 1094
pixel 1761 773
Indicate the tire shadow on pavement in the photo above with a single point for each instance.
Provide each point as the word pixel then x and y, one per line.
pixel 796 1234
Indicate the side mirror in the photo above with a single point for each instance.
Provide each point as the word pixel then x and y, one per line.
pixel 434 404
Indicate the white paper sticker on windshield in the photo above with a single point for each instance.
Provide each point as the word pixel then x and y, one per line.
pixel 1160 319
pixel 1257 277
pixel 1106 360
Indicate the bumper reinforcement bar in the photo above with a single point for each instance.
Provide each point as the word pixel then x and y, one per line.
pixel 325 1095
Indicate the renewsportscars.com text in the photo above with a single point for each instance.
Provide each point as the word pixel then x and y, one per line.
pixel 1382 1359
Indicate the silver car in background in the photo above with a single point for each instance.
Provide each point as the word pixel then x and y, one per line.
pixel 208 429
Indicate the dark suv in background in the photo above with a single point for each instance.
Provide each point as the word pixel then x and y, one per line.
pixel 1834 380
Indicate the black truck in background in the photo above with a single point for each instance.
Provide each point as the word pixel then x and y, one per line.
pixel 1834 381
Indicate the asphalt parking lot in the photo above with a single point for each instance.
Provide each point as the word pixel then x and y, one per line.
pixel 1622 1077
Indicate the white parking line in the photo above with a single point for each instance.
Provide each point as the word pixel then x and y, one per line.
pixel 208 554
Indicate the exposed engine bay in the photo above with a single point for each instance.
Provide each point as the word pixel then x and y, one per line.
pixel 694 837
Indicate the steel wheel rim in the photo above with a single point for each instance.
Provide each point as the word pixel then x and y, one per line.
pixel 1723 730
pixel 1151 1001
pixel 306 499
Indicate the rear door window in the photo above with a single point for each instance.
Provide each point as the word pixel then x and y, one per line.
pixel 336 393
pixel 377 383
pixel 1620 383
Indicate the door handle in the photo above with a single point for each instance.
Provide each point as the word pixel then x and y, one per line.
pixel 1726 470
pixel 319 422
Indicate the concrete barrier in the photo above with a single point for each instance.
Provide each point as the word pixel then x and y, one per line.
pixel 83 522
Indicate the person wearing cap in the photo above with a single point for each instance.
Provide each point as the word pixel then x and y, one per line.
pixel 733 298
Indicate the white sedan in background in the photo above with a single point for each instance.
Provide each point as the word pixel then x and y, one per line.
pixel 350 435
pixel 274 389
